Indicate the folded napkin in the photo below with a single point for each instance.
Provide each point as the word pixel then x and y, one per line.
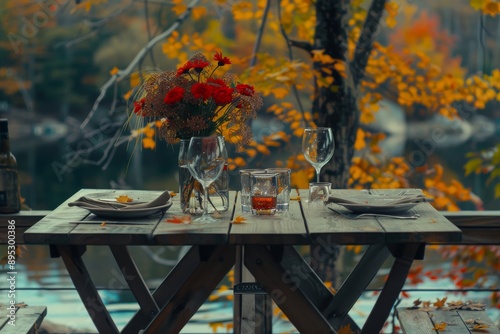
pixel 91 203
pixel 377 200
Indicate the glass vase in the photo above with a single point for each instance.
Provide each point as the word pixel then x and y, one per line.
pixel 191 192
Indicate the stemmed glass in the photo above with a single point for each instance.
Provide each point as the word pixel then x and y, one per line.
pixel 318 146
pixel 205 160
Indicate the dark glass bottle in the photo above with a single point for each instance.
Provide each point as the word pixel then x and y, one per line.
pixel 9 185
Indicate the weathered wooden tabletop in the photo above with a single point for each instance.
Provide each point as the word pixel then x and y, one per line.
pixel 301 225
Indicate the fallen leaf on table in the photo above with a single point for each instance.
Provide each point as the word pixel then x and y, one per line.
pixel 238 220
pixel 103 224
pixel 440 327
pixel 456 305
pixel 480 327
pixel 440 302
pixel 124 199
pixel 416 303
pixel 179 220
pixel 295 198
pixel 173 194
pixel 474 306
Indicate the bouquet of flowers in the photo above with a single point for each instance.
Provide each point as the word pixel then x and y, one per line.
pixel 192 102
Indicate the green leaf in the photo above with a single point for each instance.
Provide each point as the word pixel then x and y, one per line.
pixel 494 174
pixel 497 190
pixel 472 165
pixel 496 156
pixel 471 154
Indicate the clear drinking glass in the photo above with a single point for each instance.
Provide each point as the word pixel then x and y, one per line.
pixel 263 192
pixel 246 202
pixel 205 161
pixel 318 146
pixel 283 198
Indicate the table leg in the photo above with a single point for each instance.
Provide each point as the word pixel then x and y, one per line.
pixel 133 277
pixel 393 285
pixel 86 289
pixel 357 281
pixel 282 286
pixel 201 270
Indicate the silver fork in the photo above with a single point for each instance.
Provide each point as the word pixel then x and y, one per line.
pixel 361 215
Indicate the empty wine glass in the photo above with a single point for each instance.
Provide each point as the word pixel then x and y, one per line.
pixel 318 146
pixel 205 160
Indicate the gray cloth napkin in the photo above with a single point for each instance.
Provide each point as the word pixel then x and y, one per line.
pixel 377 200
pixel 91 203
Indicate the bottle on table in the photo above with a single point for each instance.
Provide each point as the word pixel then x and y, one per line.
pixel 9 184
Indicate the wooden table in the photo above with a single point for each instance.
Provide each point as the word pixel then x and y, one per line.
pixel 265 246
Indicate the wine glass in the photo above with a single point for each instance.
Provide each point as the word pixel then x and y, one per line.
pixel 318 146
pixel 205 160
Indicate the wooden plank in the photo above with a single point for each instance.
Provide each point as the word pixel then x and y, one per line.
pixel 430 227
pixel 23 220
pixel 286 228
pixel 454 322
pixel 167 233
pixel 478 227
pixel 327 227
pixel 474 219
pixel 415 321
pixel 54 227
pixel 482 316
pixel 28 320
pixel 113 233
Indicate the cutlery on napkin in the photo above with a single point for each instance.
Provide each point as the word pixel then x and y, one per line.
pixel 385 200
pixel 91 203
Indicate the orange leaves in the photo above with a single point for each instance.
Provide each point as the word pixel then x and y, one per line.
pixel 392 10
pixel 345 330
pixel 440 327
pixel 238 220
pixel 114 71
pixel 179 220
pixel 124 199
pixel 446 192
pixel 488 7
pixel 440 303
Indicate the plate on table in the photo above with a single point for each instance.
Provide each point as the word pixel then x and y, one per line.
pixel 129 213
pixel 373 208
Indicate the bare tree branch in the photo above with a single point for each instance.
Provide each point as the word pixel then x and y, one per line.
pixel 253 60
pixel 366 39
pixel 290 56
pixel 301 45
pixel 137 59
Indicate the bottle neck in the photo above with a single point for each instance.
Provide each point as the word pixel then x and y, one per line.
pixel 4 143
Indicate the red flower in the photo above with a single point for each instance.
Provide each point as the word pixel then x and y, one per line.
pixel 174 95
pixel 138 105
pixel 216 82
pixel 245 89
pixel 222 95
pixel 199 65
pixel 201 91
pixel 221 60
pixel 184 68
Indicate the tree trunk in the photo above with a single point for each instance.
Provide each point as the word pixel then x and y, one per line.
pixel 336 106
